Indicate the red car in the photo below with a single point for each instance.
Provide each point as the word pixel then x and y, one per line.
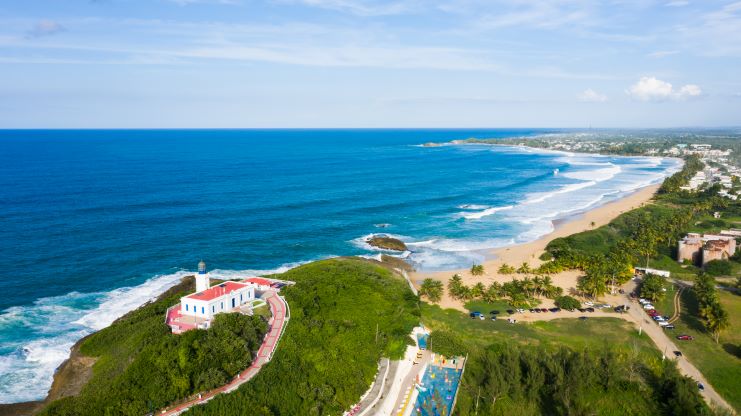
pixel 653 312
pixel 685 337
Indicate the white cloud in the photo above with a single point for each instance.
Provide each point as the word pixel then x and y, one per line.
pixel 653 89
pixel 45 28
pixel 362 7
pixel 591 96
pixel 662 54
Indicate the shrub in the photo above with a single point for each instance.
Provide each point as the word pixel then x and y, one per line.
pixel 718 268
pixel 567 302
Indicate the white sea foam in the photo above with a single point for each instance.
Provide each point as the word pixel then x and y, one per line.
pixel 56 323
pixel 472 206
pixel 542 196
pixel 597 175
pixel 483 213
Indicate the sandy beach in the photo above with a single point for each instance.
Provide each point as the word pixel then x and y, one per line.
pixel 530 252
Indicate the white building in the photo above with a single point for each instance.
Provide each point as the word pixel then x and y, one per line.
pixel 198 309
pixel 222 298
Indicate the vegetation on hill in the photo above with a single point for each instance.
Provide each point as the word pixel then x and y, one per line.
pixel 431 289
pixel 508 379
pixel 345 315
pixel 141 366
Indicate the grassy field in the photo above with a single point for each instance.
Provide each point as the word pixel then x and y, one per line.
pixel 665 306
pixel 720 363
pixel 593 332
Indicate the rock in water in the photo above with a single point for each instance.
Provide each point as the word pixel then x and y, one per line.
pixel 386 243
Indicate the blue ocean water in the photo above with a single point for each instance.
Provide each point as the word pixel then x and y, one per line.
pixel 94 223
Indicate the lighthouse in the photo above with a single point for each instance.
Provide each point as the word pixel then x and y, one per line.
pixel 202 279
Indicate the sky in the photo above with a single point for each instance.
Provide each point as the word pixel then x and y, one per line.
pixel 362 63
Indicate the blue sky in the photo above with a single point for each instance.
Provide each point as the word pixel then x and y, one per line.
pixel 362 63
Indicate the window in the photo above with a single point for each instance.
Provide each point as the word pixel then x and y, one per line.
pixel 240 298
pixel 222 306
pixel 213 308
pixel 203 310
pixel 186 307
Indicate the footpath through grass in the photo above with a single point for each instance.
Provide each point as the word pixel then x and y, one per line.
pixel 720 363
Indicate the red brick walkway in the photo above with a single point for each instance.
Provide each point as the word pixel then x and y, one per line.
pixel 264 354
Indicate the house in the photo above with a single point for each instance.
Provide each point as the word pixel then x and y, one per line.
pixel 198 309
pixel 700 249
pixel 260 283
pixel 641 271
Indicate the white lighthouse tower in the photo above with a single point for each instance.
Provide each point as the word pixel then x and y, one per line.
pixel 202 279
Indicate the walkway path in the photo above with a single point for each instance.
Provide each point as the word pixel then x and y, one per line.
pixel 277 323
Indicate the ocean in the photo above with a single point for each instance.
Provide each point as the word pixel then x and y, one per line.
pixel 94 223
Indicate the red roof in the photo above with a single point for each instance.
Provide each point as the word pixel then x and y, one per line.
pixel 259 281
pixel 216 291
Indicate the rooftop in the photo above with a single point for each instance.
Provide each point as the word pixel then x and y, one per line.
pixel 259 281
pixel 217 291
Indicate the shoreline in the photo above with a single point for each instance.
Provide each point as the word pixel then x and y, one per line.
pixel 515 255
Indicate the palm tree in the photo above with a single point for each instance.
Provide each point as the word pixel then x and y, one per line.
pixel 478 290
pixel 432 290
pixel 494 292
pixel 506 269
pixel 717 320
pixel 524 268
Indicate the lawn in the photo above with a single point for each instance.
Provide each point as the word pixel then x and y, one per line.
pixel 665 306
pixel 593 332
pixel 720 363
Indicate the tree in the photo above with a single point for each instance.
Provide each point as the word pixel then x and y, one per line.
pixel 716 320
pixel 567 302
pixel 478 290
pixel 524 269
pixel 432 290
pixel 652 287
pixel 506 269
pixel 477 269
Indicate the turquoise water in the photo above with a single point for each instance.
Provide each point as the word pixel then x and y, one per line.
pixel 94 223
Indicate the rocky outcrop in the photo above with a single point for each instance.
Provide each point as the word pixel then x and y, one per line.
pixel 386 243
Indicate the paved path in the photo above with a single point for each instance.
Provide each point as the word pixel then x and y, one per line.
pixel 277 323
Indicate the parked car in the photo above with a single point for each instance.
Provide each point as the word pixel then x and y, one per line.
pixel 520 311
pixel 648 306
pixel 543 310
pixel 493 317
pixel 554 310
pixel 678 353
pixel 589 303
pixel 701 386
pixel 494 312
pixel 582 310
pixel 482 317
pixel 643 301
pixel 685 337
pixel 590 309
pixel 510 311
pixel 475 314
pixel 663 323
pixel 670 326
pixel 583 318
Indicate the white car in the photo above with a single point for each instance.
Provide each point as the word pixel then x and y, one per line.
pixel 642 301
pixel 663 323
pixel 590 304
pixel 520 311
pixel 648 306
